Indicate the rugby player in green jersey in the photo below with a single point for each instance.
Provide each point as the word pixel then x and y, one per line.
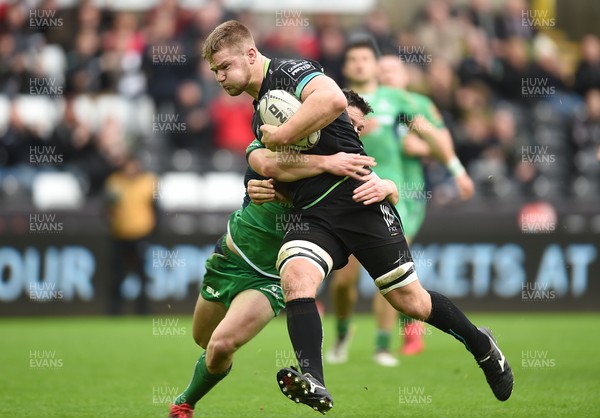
pixel 404 127
pixel 241 292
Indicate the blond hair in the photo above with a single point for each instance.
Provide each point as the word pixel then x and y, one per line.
pixel 228 34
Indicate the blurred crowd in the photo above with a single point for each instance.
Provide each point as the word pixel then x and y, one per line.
pixel 83 89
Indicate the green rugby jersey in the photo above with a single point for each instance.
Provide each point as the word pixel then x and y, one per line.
pixel 382 142
pixel 413 176
pixel 393 109
pixel 257 232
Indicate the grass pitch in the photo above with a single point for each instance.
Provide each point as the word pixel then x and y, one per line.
pixel 133 367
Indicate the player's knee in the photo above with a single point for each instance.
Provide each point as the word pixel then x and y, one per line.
pixel 221 347
pixel 413 301
pixel 298 281
pixel 415 309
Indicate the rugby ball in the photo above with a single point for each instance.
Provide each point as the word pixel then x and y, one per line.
pixel 276 107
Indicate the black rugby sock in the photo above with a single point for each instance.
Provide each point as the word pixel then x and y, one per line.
pixel 306 333
pixel 446 316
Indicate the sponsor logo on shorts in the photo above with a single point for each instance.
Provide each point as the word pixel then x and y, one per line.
pixel 213 292
pixel 273 289
pixel 389 219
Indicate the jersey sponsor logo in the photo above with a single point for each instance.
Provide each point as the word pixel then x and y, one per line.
pixel 389 219
pixel 296 69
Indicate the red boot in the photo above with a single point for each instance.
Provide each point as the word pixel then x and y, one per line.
pixel 413 338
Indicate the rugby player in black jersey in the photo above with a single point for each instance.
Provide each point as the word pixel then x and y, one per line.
pixel 334 225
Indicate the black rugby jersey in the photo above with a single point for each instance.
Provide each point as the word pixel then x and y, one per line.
pixel 292 75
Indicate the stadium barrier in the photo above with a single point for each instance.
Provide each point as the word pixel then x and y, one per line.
pixel 483 263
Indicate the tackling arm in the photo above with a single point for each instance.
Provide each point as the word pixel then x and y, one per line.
pixel 292 166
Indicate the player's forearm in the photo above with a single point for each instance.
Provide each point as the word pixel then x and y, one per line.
pixel 287 166
pixel 299 166
pixel 438 139
pixel 318 110
pixel 442 149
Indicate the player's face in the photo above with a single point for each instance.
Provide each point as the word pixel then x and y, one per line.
pixel 232 70
pixel 392 72
pixel 360 65
pixel 357 117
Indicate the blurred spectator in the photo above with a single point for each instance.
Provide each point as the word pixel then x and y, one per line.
pixel 73 137
pixel 190 108
pixel 89 16
pixel 14 74
pixel 377 24
pixel 481 15
pixel 477 140
pixel 549 69
pixel 441 34
pixel 479 64
pixel 515 68
pixel 204 20
pixel 332 42
pixel 122 48
pixel 441 82
pixel 587 75
pixel 232 119
pixel 99 158
pixel 14 23
pixel 171 8
pixel 507 138
pixel 586 132
pixel 474 97
pixel 510 22
pixel 291 41
pixel 165 61
pixel 52 17
pixel 83 64
pixel 15 147
pixel 132 218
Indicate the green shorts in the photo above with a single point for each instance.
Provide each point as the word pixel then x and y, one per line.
pixel 412 214
pixel 227 274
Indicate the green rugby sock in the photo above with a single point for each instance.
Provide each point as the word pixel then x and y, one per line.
pixel 202 382
pixel 343 325
pixel 382 342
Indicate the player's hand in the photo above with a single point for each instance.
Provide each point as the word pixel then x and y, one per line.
pixel 345 164
pixel 271 137
pixel 415 146
pixel 261 191
pixel 373 190
pixel 466 188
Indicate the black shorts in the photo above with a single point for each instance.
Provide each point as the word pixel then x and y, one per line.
pixel 340 226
